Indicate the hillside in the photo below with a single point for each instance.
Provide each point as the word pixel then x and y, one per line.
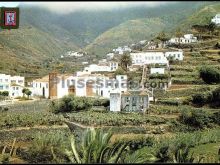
pixel 201 16
pixel 143 29
pixel 44 35
pixel 126 33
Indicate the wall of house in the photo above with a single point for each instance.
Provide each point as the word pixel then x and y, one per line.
pixel 37 89
pixel 149 58
pixel 115 102
pixel 178 55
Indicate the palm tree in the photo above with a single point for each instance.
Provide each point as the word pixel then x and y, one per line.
pixel 125 61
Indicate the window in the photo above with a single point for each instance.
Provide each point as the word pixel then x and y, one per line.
pixel 46 85
pixel 68 82
pixel 134 101
pixel 36 85
pixel 6 87
pixel 178 55
pixel 20 81
pixel 40 85
pixel 13 81
pixel 0 80
pixel 63 83
pixel 13 88
pixel 122 77
pixel 6 80
pixel 1 87
pixel 16 88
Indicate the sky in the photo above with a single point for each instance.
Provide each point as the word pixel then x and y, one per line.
pixel 67 7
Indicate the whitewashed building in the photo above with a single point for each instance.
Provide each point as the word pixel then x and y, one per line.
pixel 40 87
pixel 186 39
pixel 12 84
pixel 89 85
pixel 103 66
pixel 177 55
pixel 216 19
pixel 145 58
pixel 122 50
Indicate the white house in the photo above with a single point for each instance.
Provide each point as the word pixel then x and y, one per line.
pixel 187 38
pixel 177 55
pixel 12 84
pixel 110 56
pixel 85 62
pixel 122 50
pixel 109 66
pixel 152 57
pixel 157 70
pixel 216 19
pixel 40 87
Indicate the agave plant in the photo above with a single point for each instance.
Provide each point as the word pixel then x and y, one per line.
pixel 183 156
pixel 96 148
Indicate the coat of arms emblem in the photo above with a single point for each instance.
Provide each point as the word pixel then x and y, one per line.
pixel 10 18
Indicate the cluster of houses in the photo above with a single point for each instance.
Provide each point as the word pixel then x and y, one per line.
pixel 72 54
pixel 216 19
pixel 186 39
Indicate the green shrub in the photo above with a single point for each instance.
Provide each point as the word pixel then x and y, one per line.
pixel 196 118
pixel 70 103
pixel 5 93
pixel 159 76
pixel 209 74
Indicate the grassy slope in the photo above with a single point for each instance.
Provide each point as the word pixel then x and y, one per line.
pixel 202 16
pixel 141 29
pixel 126 33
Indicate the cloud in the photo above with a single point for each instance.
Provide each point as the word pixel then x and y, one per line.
pixel 9 4
pixel 67 7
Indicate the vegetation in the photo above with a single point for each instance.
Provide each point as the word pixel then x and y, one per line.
pixel 210 75
pixel 72 103
pixel 125 61
pixel 113 119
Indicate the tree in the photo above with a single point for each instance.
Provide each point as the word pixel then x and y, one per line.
pixel 162 37
pixel 211 27
pixel 209 74
pixel 125 61
pixel 119 71
pixel 28 93
pixel 5 93
pixel 24 90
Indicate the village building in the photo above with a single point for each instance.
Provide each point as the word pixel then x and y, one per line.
pixel 12 84
pixel 130 101
pixel 186 39
pixel 103 66
pixel 216 19
pixel 90 85
pixel 177 55
pixel 122 50
pixel 150 57
pixel 110 56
